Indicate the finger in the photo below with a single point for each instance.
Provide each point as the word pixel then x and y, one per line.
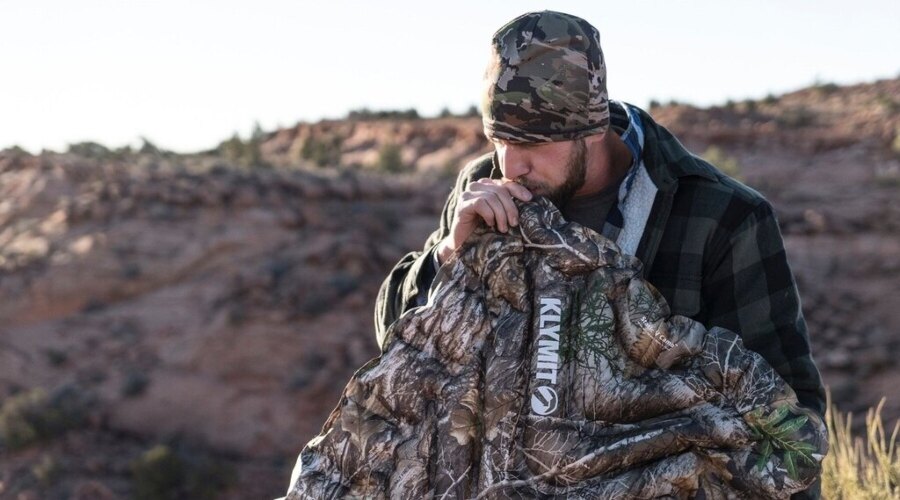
pixel 484 185
pixel 505 186
pixel 481 207
pixel 509 208
pixel 500 218
pixel 517 190
pixel 485 180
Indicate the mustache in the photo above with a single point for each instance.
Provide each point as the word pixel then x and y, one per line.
pixel 529 185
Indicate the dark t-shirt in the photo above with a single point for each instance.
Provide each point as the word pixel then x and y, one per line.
pixel 591 210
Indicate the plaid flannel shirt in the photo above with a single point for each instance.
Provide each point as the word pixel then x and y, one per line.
pixel 711 246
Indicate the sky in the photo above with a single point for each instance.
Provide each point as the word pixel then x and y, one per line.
pixel 188 74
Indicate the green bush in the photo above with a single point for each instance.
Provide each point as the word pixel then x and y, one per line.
pixel 322 152
pixel 472 112
pixel 158 474
pixel 390 159
pixel 15 150
pixel 826 88
pixel 34 416
pixel 163 473
pixel 148 148
pixel 134 384
pixel 895 145
pixel 243 153
pixel 45 471
pixel 364 114
pixel 749 106
pixel 727 164
pixel 89 150
pixel 889 103
pixel 797 117
pixel 56 357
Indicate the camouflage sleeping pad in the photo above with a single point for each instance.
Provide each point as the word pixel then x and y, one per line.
pixel 544 366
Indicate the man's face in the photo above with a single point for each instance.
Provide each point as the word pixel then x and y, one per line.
pixel 555 170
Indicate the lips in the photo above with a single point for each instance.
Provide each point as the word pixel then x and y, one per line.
pixel 536 188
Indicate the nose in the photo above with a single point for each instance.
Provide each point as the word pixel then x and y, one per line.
pixel 514 161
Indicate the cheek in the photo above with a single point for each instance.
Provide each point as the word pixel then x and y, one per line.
pixel 552 176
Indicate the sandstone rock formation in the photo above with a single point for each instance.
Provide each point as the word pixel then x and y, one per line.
pixel 195 300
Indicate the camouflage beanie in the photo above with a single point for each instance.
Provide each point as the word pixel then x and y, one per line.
pixel 546 80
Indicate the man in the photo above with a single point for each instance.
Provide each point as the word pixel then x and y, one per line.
pixel 711 245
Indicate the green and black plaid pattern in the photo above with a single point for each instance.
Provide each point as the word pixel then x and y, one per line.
pixel 721 261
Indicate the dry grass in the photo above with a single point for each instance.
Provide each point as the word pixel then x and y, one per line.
pixel 857 468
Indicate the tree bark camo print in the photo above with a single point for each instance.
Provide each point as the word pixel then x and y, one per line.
pixel 543 366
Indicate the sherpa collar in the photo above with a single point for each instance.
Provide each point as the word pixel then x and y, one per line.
pixel 627 219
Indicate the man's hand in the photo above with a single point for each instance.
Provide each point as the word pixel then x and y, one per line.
pixel 487 199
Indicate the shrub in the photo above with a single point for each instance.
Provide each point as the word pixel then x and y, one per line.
pixel 163 473
pixel 727 164
pixel 15 150
pixel 826 88
pixel 244 153
pixel 749 106
pixel 56 357
pixel 855 468
pixel 888 103
pixel 148 148
pixel 797 117
pixel 36 416
pixel 472 112
pixel 89 150
pixel 389 159
pixel 134 384
pixel 895 145
pixel 364 114
pixel 344 283
pixel 158 474
pixel 45 471
pixel 322 152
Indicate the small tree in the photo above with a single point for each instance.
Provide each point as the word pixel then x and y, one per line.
pixel 245 153
pixel 322 152
pixel 727 164
pixel 390 159
pixel 89 149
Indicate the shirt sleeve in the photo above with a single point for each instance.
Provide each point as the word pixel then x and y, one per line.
pixel 750 289
pixel 408 283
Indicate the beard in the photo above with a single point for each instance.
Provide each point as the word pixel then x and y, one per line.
pixel 576 170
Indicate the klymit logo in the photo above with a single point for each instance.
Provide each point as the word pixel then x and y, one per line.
pixel 544 400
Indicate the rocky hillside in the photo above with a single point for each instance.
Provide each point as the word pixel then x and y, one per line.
pixel 430 146
pixel 185 323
